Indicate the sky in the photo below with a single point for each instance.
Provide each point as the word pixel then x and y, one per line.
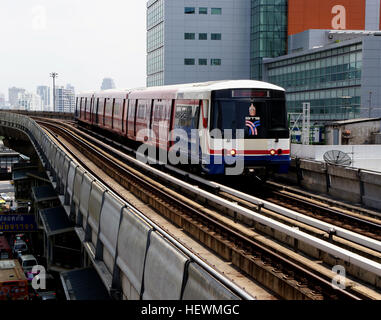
pixel 83 40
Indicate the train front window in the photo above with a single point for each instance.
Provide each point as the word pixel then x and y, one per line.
pixel 258 119
pixel 278 127
pixel 239 115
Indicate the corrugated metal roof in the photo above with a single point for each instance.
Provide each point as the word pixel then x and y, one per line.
pixel 44 193
pixel 83 284
pixel 55 221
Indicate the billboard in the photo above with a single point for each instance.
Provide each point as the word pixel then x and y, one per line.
pixel 17 223
pixel 325 14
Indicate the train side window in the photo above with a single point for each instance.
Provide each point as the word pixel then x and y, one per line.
pixel 142 110
pixel 187 116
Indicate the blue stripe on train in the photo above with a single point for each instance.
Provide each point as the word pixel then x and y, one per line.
pixel 216 165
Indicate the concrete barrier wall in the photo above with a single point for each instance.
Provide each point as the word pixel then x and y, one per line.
pixel 109 226
pixel 130 256
pixel 200 286
pixel 343 183
pixel 164 270
pixel 132 247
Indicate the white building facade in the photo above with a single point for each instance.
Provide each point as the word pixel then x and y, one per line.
pixel 29 102
pixel 44 93
pixel 13 96
pixel 65 99
pixel 194 41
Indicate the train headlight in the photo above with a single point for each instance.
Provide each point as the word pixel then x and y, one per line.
pixel 280 151
pixel 273 152
pixel 233 153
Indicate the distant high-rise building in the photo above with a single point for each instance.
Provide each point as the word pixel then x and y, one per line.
pixel 2 100
pixel 65 99
pixel 107 84
pixel 13 94
pixel 196 41
pixel 44 93
pixel 70 87
pixel 29 101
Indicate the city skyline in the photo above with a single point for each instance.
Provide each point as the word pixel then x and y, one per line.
pixel 44 36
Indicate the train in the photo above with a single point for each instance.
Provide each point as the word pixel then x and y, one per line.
pixel 236 127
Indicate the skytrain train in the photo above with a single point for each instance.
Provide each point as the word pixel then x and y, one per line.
pixel 221 127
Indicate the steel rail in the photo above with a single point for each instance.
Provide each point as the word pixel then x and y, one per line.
pixel 224 280
pixel 276 225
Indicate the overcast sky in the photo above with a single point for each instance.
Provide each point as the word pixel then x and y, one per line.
pixel 83 40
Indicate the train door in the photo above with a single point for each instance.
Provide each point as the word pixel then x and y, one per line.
pixel 113 114
pixel 131 119
pixel 161 122
pixel 125 116
pixel 186 123
pixel 143 117
pixel 91 109
pixel 85 109
pixel 108 113
pixel 101 111
pixel 96 111
pixel 76 107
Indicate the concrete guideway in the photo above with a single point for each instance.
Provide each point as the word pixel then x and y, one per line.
pixel 108 253
pixel 190 276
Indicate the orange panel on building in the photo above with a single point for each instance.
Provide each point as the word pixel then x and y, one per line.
pixel 325 14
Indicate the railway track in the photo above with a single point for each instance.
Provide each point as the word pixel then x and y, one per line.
pixel 342 216
pixel 361 225
pixel 283 275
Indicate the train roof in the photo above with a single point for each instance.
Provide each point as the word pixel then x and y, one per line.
pixel 200 90
pixel 112 93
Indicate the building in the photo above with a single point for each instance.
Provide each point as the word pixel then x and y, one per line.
pixel 341 78
pixel 70 87
pixel 107 84
pixel 13 94
pixel 268 34
pixel 354 132
pixel 334 15
pixel 2 100
pixel 323 52
pixel 44 93
pixel 185 41
pixel 65 99
pixel 29 102
pixel 193 41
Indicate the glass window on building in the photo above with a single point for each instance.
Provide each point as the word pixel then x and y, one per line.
pixel 189 10
pixel 216 36
pixel 189 36
pixel 215 62
pixel 189 62
pixel 203 10
pixel 203 62
pixel 216 11
pixel 202 36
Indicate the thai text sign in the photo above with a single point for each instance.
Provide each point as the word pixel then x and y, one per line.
pixel 17 223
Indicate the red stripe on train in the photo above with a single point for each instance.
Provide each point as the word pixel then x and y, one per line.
pixel 250 152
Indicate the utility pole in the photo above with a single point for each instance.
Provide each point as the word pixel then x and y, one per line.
pixel 306 123
pixel 370 103
pixel 54 75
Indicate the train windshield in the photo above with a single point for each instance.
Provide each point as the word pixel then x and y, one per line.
pixel 258 120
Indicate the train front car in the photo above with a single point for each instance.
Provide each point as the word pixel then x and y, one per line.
pixel 248 130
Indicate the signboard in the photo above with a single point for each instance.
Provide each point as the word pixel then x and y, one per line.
pixel 17 223
pixel 325 14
